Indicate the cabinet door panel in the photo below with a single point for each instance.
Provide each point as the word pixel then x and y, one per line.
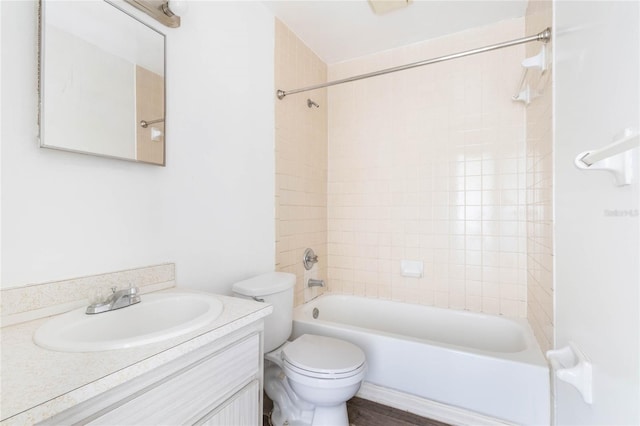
pixel 241 410
pixel 205 385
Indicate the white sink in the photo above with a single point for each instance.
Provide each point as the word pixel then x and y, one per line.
pixel 157 317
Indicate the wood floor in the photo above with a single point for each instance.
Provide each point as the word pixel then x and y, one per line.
pixel 367 413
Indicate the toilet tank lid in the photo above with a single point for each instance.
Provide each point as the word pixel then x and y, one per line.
pixel 265 284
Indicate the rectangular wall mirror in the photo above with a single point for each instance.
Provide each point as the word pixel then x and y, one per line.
pixel 102 82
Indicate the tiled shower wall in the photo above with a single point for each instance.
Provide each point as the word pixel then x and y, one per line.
pixel 301 161
pixel 540 187
pixel 429 164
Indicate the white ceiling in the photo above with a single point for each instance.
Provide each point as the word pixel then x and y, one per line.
pixel 345 29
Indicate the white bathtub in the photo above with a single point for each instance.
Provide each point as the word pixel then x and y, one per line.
pixel 455 366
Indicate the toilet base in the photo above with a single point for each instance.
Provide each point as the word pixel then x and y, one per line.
pixel 322 416
pixel 331 416
pixel 288 408
pixel 291 410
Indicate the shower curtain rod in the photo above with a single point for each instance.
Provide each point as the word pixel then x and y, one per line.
pixel 543 36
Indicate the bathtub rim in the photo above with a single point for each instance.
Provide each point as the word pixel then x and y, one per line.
pixel 531 355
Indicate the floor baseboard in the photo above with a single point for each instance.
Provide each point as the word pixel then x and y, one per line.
pixel 425 407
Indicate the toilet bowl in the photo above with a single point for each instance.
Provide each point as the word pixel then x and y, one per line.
pixel 322 373
pixel 310 378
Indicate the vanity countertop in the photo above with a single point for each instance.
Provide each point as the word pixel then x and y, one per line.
pixel 38 383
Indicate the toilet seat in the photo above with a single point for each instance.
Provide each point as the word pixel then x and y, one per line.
pixel 321 374
pixel 323 357
pixel 325 382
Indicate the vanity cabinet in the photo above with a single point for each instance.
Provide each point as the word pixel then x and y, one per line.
pixel 239 409
pixel 218 384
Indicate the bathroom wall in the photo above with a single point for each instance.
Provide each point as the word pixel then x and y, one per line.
pixel 301 162
pixel 597 224
pixel 540 183
pixel 429 164
pixel 210 210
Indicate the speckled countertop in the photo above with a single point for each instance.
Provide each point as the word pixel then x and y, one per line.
pixel 37 383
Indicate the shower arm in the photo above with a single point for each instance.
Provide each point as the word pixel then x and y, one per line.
pixel 543 36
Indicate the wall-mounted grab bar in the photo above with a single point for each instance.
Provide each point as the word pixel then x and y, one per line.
pixel 145 123
pixel 609 158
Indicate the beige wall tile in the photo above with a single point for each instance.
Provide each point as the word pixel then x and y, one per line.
pixel 539 187
pixel 434 164
pixel 301 162
pixel 429 164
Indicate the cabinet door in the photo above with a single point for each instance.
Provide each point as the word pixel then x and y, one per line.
pixel 183 397
pixel 242 409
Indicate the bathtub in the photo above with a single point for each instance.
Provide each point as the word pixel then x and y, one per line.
pixel 453 366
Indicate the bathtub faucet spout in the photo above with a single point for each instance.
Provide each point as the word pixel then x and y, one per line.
pixel 315 283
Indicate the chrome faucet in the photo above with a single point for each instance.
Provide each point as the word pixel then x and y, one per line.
pixel 309 259
pixel 117 300
pixel 315 283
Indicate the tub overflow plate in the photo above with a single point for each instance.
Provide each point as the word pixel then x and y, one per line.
pixel 316 312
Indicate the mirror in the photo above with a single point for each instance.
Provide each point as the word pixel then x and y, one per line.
pixel 102 82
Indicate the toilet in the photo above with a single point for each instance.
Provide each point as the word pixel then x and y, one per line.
pixel 310 378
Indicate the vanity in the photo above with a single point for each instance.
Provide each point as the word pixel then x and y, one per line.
pixel 210 376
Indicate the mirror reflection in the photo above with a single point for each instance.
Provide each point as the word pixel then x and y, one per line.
pixel 102 88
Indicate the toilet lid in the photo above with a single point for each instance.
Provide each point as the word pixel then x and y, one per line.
pixel 322 354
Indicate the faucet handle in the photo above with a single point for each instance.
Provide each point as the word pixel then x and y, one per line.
pixel 309 258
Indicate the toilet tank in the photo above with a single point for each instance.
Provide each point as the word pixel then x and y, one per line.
pixel 275 288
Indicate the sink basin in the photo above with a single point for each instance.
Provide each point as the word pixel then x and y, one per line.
pixel 157 317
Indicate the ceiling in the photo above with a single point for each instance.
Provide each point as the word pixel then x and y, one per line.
pixel 339 30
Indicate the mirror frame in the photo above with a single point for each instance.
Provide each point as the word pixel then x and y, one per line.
pixel 41 84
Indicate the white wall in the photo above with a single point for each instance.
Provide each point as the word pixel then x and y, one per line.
pixel 211 210
pixel 597 269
